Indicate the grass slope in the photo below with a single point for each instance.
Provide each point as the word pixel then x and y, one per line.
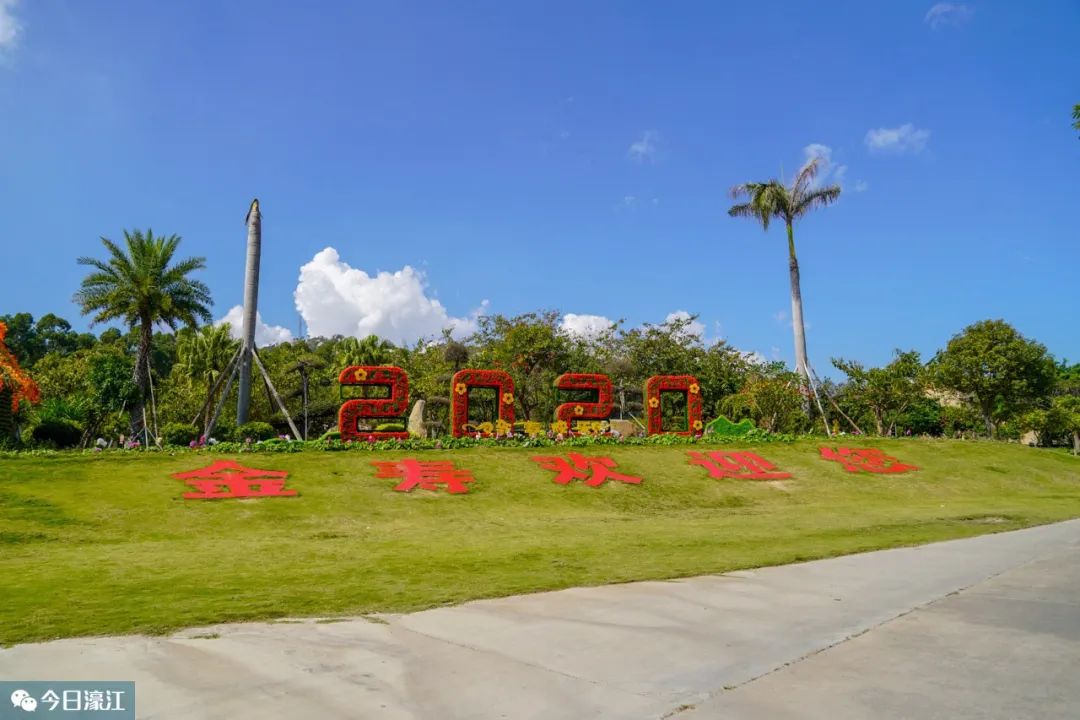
pixel 93 545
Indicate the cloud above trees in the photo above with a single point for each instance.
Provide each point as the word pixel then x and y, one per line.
pixel 335 298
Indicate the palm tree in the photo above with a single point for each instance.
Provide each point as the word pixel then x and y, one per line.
pixel 140 287
pixel 203 356
pixel 370 351
pixel 1076 116
pixel 772 199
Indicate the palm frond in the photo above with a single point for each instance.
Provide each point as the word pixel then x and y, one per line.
pixel 818 197
pixel 804 179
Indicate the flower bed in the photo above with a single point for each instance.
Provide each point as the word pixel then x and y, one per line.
pixel 686 384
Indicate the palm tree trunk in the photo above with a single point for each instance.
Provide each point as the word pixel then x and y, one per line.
pixel 141 376
pixel 251 303
pixel 801 364
pixel 1076 442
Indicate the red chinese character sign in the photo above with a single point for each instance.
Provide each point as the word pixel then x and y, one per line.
pixel 463 380
pixel 869 460
pixel 595 471
pixel 685 384
pixel 600 409
pixel 439 475
pixel 394 406
pixel 737 465
pixel 229 479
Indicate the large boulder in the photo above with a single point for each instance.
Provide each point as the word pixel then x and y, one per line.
pixel 416 420
pixel 626 428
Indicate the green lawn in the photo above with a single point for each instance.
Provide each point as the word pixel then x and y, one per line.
pixel 93 545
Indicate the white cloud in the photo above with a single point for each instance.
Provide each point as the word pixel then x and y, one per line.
pixel 586 326
pixel 629 201
pixel 861 186
pixel 829 173
pixel 754 357
pixel 899 140
pixel 780 316
pixel 9 25
pixel 945 14
pixel 336 299
pixel 264 334
pixel 645 148
pixel 694 328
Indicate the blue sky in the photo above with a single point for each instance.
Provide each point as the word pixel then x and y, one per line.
pixel 557 155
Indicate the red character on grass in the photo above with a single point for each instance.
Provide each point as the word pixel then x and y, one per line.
pixel 229 479
pixel 738 465
pixel 593 470
pixel 440 475
pixel 865 460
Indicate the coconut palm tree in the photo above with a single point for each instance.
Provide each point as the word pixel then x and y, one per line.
pixel 772 199
pixel 139 285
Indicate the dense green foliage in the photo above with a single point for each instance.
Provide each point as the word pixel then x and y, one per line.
pixel 88 381
pixel 1002 372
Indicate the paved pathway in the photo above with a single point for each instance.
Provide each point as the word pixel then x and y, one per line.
pixel 980 628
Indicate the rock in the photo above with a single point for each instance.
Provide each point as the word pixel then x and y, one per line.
pixel 416 420
pixel 626 428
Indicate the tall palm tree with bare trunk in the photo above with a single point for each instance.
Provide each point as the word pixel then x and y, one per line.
pixel 140 285
pixel 773 199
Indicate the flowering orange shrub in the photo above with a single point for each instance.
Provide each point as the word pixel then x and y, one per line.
pixel 14 377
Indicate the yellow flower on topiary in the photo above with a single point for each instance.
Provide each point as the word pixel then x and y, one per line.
pixel 654 402
pixel 508 398
pixel 694 389
pixel 698 425
pixel 360 374
pixel 461 388
pixel 578 410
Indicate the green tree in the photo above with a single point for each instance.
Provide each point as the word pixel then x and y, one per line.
pixel 1003 372
pixel 110 390
pixel 372 350
pixel 1060 419
pixel 30 341
pixel 887 392
pixel 142 286
pixel 533 349
pixel 22 339
pixel 1076 116
pixel 202 357
pixel 772 398
pixel 772 199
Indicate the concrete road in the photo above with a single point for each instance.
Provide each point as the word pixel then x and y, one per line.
pixel 980 628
